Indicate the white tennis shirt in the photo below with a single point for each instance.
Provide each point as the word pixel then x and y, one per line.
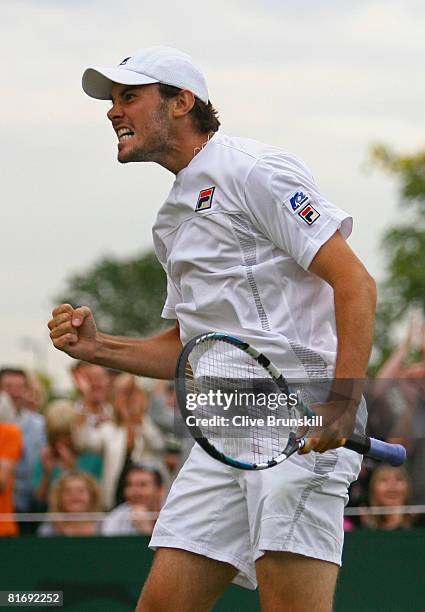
pixel 236 236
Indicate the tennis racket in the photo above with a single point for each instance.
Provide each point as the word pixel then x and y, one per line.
pixel 225 389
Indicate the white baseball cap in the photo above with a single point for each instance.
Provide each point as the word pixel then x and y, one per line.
pixel 151 65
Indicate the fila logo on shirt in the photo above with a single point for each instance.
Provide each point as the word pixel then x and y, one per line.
pixel 300 202
pixel 309 214
pixel 205 199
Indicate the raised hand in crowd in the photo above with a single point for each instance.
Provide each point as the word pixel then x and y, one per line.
pixel 93 385
pixel 392 368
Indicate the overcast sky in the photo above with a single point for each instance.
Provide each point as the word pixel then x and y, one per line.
pixel 324 80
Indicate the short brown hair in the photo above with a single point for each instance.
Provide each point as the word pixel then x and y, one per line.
pixel 205 116
pixel 142 467
pixel 14 372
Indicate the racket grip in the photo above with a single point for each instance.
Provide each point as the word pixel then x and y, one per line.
pixel 394 454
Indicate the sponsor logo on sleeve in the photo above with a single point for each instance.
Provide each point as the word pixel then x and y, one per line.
pixel 123 63
pixel 205 199
pixel 298 200
pixel 309 214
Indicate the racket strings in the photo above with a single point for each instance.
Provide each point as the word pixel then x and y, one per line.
pixel 232 381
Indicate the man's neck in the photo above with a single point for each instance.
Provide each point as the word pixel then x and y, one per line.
pixel 184 150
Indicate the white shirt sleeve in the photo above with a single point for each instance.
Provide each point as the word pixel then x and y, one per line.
pixel 173 298
pixel 173 294
pixel 285 204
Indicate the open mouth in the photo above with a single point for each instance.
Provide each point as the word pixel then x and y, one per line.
pixel 124 134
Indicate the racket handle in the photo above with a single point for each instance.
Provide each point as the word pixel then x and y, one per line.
pixel 394 454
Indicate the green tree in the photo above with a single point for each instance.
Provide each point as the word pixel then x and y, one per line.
pixel 126 296
pixel 404 246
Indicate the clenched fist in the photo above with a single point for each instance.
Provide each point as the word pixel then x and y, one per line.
pixel 73 330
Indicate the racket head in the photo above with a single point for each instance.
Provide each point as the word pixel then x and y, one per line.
pixel 217 362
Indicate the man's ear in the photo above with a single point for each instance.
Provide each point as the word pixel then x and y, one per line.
pixel 183 103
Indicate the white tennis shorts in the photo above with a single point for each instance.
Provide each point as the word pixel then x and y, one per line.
pixel 235 516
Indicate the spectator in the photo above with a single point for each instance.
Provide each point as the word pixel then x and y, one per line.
pixel 10 452
pixel 7 410
pixel 143 492
pixel 73 492
pixel 408 381
pixel 162 407
pixel 35 397
pixel 172 455
pixel 359 490
pixel 389 487
pixel 14 382
pixel 164 414
pixel 130 436
pixel 60 454
pixel 93 385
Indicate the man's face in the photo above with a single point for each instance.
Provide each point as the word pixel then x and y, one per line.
pixel 93 383
pixel 15 385
pixel 141 121
pixel 141 489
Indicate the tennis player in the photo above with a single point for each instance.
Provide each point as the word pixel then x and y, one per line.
pixel 251 247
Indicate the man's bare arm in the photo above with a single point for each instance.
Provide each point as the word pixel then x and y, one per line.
pixel 154 357
pixel 355 302
pixel 73 330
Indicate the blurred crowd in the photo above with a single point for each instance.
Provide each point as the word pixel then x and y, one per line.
pixel 114 448
pixel 102 460
pixel 396 407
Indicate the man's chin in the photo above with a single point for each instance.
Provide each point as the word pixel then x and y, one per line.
pixel 125 157
pixel 125 153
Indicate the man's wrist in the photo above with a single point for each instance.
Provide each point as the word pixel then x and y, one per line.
pixel 347 389
pixel 99 353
